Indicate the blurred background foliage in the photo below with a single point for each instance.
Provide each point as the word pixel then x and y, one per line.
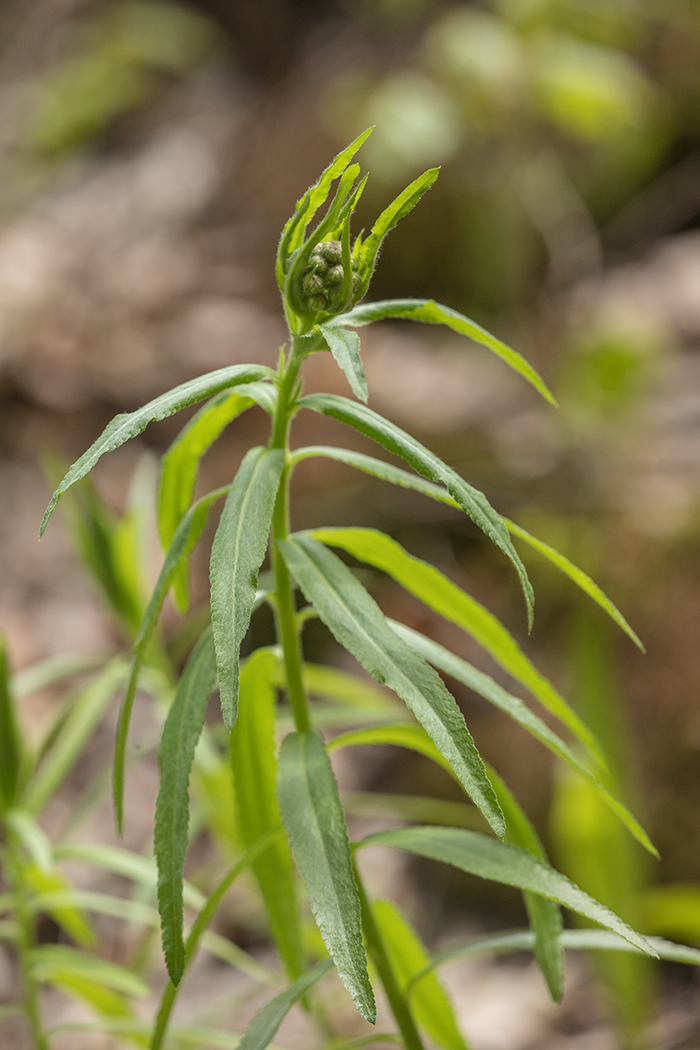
pixel 149 153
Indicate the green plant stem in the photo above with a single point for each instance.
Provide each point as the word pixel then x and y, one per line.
pixel 25 941
pixel 199 926
pixel 285 613
pixel 380 958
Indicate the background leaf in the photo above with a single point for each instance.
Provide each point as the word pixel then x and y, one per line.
pixel 11 748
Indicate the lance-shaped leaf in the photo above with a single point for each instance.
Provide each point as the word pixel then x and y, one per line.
pixel 11 749
pixel 430 1003
pixel 544 914
pixel 396 476
pixel 395 440
pixel 186 535
pixel 404 203
pixel 485 686
pixel 496 861
pixel 237 554
pixel 261 1030
pixel 129 424
pixel 315 823
pixel 357 622
pixel 182 730
pixel 254 764
pixel 450 601
pixel 430 312
pixel 345 347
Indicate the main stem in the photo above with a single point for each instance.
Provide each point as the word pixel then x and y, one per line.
pixel 285 612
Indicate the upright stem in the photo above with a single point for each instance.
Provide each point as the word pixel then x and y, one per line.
pixel 378 953
pixel 25 943
pixel 285 613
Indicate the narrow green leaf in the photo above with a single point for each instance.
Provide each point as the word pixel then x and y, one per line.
pixel 107 1003
pixel 579 577
pixel 345 688
pixel 68 916
pixel 11 749
pixel 129 424
pixel 314 821
pixel 544 914
pixel 48 958
pixel 430 312
pixel 490 859
pixel 430 1003
pixel 186 535
pixel 450 601
pixel 345 347
pixel 400 734
pixel 485 686
pixel 181 732
pixel 254 764
pixel 181 466
pixel 78 727
pixel 237 554
pixel 54 669
pixel 402 444
pixel 261 1030
pixel 358 623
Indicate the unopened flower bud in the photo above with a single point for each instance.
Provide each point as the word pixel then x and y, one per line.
pixel 335 275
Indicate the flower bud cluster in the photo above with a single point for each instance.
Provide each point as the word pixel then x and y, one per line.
pixel 323 278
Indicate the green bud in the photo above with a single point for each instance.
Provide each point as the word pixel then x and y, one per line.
pixel 335 275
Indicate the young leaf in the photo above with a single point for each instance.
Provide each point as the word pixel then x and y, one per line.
pixel 237 553
pixel 180 468
pixel 485 686
pixel 11 749
pixel 490 859
pixel 181 732
pixel 261 1030
pixel 129 424
pixel 254 765
pixel 430 312
pixel 359 625
pixel 545 914
pixel 450 601
pixel 186 535
pixel 314 821
pixel 430 1003
pixel 395 440
pixel 345 347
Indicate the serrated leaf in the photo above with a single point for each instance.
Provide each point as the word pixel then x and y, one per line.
pixel 129 424
pixel 402 444
pixel 430 1003
pixel 181 466
pixel 345 347
pixel 315 824
pixel 11 748
pixel 485 686
pixel 490 859
pixel 446 598
pixel 429 312
pixel 261 1030
pixel 186 535
pixel 181 732
pixel 357 622
pixel 237 554
pixel 254 764
pixel 544 914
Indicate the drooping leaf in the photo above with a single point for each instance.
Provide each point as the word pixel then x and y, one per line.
pixel 181 732
pixel 261 1030
pixel 237 553
pixel 402 444
pixel 485 686
pixel 345 347
pixel 254 764
pixel 450 601
pixel 357 622
pixel 544 914
pixel 430 1003
pixel 314 821
pixel 493 860
pixel 11 748
pixel 429 312
pixel 129 424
